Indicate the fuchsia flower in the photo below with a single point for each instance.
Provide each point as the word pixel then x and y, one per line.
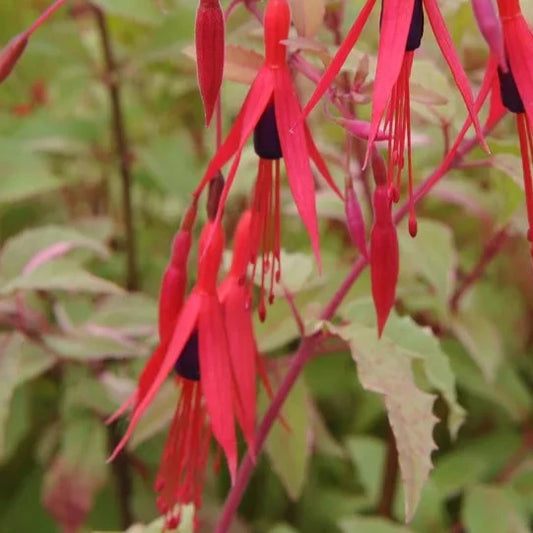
pixel 401 30
pixel 270 110
pixel 512 81
pixel 207 339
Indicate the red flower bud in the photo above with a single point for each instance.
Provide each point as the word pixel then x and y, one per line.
pixel 11 54
pixel 384 258
pixel 209 53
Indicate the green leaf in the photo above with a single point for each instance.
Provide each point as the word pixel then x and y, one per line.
pixel 136 10
pixel 289 448
pixel 21 249
pixel 20 361
pixel 363 524
pixel 481 340
pixel 432 256
pixel 61 275
pixel 385 368
pixel 492 510
pixel 368 455
pixel 86 347
pixel 157 526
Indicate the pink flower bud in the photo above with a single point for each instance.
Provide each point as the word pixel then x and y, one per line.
pixel 209 53
pixel 384 257
pixel 490 27
pixel 11 54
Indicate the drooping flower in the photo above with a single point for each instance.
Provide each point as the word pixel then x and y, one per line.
pixel 402 25
pixel 271 111
pixel 210 48
pixel 516 89
pixel 195 346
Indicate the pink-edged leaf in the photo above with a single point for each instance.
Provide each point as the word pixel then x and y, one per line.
pixel 255 103
pixel 359 128
pixel 340 57
pixel 491 29
pixel 519 46
pixel 243 354
pixel 396 18
pixel 384 257
pixel 355 220
pixel 185 325
pixel 317 159
pixel 209 40
pixel 216 378
pixel 294 148
pixel 11 53
pixel 447 48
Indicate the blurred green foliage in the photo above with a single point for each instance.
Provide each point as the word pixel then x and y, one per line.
pixel 72 341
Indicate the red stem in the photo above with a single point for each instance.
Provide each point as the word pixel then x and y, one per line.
pixel 47 13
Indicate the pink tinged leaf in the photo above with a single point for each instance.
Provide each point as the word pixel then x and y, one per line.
pixel 384 257
pixel 448 51
pixel 319 161
pixel 185 325
pixel 294 148
pixel 395 22
pixel 11 53
pixel 355 220
pixel 209 53
pixel 340 57
pixel 48 254
pixel 255 103
pixel 216 377
pixel 491 29
pixel 519 46
pixel 243 354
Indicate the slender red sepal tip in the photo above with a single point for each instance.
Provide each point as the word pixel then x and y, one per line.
pixel 10 55
pixel 209 53
pixel 384 258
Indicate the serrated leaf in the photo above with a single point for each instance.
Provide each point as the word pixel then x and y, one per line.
pixel 492 510
pixel 385 368
pixel 60 275
pixel 420 344
pixel 307 16
pixel 289 448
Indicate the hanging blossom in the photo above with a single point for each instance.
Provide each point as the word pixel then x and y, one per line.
pixel 269 111
pixel 401 31
pixel 511 79
pixel 207 342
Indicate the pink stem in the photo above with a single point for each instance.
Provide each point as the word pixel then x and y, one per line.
pixel 47 13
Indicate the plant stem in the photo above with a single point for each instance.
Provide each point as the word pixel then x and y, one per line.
pixel 122 147
pixel 308 344
pixel 489 252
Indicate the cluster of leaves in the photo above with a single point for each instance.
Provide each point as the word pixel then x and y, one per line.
pixel 453 369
